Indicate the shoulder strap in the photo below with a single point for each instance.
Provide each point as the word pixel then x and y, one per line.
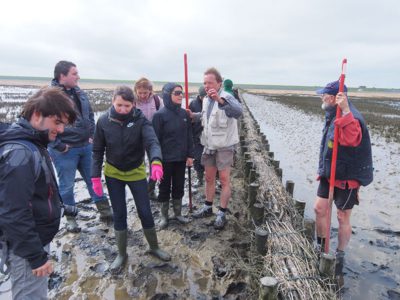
pixel 157 101
pixel 39 161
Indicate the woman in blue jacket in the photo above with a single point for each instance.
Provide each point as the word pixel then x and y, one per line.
pixel 124 134
pixel 173 128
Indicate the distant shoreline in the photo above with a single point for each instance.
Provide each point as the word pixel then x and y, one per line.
pixel 110 85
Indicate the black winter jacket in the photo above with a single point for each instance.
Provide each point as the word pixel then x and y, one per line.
pixel 77 134
pixel 124 138
pixel 30 210
pixel 173 128
pixel 196 106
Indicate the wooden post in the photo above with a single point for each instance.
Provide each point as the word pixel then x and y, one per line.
pixel 267 147
pixel 252 176
pixel 247 156
pixel 257 213
pixel 279 172
pixel 275 164
pixel 248 166
pixel 245 149
pixel 252 193
pixel 268 288
pixel 261 240
pixel 327 265
pixel 309 229
pixel 290 187
pixel 271 154
pixel 299 206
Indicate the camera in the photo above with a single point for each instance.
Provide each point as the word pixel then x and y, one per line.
pixel 68 210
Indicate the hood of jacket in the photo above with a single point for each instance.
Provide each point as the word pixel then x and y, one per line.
pixel 166 95
pixel 23 130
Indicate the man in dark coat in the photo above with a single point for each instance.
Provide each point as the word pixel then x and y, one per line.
pixel 30 206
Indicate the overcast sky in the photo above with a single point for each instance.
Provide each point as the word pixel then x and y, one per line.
pixel 288 42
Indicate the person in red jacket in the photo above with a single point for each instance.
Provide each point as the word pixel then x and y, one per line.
pixel 353 166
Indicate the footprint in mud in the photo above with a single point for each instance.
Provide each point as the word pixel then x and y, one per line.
pixel 219 266
pixel 235 288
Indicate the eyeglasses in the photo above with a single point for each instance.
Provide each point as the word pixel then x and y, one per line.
pixel 177 93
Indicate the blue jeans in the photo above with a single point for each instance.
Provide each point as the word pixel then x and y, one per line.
pixel 116 191
pixel 80 159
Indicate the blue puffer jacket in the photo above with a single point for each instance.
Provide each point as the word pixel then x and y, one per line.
pixel 173 128
pixel 353 163
pixel 78 134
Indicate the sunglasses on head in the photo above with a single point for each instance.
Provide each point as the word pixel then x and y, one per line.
pixel 177 93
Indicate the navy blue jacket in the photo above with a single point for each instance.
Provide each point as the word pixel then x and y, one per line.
pixel 173 128
pixel 77 134
pixel 30 206
pixel 353 163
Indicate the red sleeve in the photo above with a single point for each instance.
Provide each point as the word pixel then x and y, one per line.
pixel 350 134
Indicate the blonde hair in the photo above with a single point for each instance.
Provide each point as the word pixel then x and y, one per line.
pixel 143 83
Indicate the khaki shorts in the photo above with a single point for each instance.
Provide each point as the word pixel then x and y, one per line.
pixel 220 159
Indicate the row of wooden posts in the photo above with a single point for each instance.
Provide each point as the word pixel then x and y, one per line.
pixel 269 285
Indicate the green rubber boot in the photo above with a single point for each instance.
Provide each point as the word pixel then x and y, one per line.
pixel 72 225
pixel 105 211
pixel 177 204
pixel 151 237
pixel 164 215
pixel 121 239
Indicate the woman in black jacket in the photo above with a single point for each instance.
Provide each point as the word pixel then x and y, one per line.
pixel 124 134
pixel 173 128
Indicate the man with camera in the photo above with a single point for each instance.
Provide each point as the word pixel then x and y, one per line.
pixel 30 204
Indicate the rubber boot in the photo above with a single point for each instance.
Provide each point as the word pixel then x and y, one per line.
pixel 339 264
pixel 72 226
pixel 177 204
pixel 151 237
pixel 105 211
pixel 121 239
pixel 164 215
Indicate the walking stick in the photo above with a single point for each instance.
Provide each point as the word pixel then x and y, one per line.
pixel 187 107
pixel 334 158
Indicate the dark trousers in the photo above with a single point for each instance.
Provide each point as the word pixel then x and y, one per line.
pixel 198 151
pixel 116 191
pixel 174 178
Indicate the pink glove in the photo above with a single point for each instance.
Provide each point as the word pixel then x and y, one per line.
pixel 156 172
pixel 97 186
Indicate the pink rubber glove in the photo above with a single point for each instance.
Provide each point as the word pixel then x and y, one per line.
pixel 156 172
pixel 97 186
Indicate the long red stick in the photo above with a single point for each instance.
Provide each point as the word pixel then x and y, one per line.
pixel 334 158
pixel 187 107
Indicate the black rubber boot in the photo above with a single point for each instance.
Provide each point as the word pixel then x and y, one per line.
pixel 339 262
pixel 121 239
pixel 164 215
pixel 177 204
pixel 105 211
pixel 72 225
pixel 151 237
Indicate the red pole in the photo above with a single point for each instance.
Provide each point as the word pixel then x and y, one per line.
pixel 186 82
pixel 334 158
pixel 187 107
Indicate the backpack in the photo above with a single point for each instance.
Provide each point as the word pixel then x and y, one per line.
pixel 157 102
pixel 39 161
